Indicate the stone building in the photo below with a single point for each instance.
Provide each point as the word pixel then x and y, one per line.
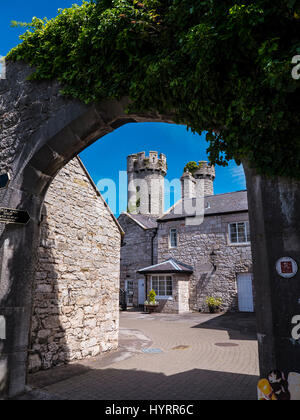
pixel 76 292
pixel 197 249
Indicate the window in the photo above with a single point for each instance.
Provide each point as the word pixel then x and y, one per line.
pixel 129 292
pixel 239 233
pixel 138 197
pixel 163 286
pixel 173 238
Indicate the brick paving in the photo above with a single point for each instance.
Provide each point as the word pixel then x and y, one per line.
pixel 203 357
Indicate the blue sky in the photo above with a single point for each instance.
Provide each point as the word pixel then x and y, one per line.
pixel 105 158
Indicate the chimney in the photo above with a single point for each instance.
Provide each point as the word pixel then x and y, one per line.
pixel 188 186
pixel 205 177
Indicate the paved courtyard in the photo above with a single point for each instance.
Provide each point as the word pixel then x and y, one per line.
pixel 181 357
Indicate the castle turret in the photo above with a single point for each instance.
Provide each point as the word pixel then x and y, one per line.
pixel 205 176
pixel 146 183
pixel 188 185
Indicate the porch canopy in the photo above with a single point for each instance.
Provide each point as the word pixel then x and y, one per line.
pixel 168 267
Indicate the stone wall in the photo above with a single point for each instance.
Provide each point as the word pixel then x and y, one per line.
pixel 136 253
pixel 76 291
pixel 195 244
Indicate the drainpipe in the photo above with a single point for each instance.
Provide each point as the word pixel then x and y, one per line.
pixel 152 257
pixel 146 280
pixel 152 246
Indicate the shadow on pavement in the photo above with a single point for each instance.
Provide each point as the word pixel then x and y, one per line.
pixel 118 384
pixel 240 326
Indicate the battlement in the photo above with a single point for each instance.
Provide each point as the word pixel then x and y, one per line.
pixel 206 170
pixel 140 162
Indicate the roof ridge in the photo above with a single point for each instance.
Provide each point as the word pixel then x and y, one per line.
pixel 218 195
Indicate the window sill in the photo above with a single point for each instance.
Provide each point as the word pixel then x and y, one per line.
pixel 164 298
pixel 240 244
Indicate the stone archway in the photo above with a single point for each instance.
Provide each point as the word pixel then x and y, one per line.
pixel 41 131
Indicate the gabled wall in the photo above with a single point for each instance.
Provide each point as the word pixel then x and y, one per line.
pixel 76 290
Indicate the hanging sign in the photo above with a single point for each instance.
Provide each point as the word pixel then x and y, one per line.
pixel 287 267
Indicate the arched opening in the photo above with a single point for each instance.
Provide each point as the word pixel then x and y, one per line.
pixel 47 133
pixel 67 329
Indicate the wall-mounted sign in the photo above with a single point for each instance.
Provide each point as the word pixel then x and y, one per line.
pixel 4 180
pixel 2 328
pixel 18 217
pixel 287 267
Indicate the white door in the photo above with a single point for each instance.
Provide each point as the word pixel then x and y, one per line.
pixel 142 296
pixel 245 292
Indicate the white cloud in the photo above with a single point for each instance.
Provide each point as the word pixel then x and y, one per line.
pixel 238 176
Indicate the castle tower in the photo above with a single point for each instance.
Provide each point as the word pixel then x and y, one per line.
pixel 205 177
pixel 146 183
pixel 188 186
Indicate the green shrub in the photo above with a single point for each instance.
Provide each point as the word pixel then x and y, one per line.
pixel 152 296
pixel 214 302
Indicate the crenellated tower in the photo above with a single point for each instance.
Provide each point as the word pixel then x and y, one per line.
pixel 200 183
pixel 146 183
pixel 205 176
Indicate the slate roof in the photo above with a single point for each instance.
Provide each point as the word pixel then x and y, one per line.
pixel 147 222
pixel 215 204
pixel 170 266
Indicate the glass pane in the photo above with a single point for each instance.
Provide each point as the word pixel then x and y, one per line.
pixel 241 232
pixel 155 284
pixel 233 233
pixel 248 232
pixel 162 287
pixel 169 291
pixel 174 238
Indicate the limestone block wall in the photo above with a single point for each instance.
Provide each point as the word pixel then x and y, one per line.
pixel 195 244
pixel 136 252
pixel 76 291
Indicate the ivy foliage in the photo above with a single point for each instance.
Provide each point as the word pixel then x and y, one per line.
pixel 192 167
pixel 223 67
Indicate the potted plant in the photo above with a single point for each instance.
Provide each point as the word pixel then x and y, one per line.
pixel 214 304
pixel 151 304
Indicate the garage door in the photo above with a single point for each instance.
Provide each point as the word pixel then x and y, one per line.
pixel 245 292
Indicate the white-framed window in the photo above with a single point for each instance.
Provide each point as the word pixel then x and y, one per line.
pixel 173 240
pixel 239 233
pixel 163 286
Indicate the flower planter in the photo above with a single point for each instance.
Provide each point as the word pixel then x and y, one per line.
pixel 214 309
pixel 151 308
